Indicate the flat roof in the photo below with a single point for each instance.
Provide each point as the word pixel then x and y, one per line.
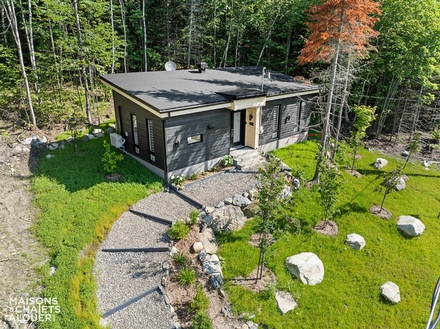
pixel 183 89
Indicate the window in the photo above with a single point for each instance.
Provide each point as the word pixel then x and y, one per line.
pixel 194 139
pixel 276 121
pixel 135 133
pixel 296 114
pixel 150 134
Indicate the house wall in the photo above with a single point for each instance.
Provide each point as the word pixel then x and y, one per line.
pixel 289 131
pixel 215 142
pixel 124 108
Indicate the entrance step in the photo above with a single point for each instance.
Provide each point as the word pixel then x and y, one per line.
pixel 246 158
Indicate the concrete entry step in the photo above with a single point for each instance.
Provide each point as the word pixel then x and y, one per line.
pixel 246 158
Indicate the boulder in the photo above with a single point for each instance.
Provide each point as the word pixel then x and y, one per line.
pixel 209 210
pixel 227 219
pixel 207 220
pixel 240 201
pixel 307 267
pixel 228 201
pixel 390 291
pixel 404 153
pixel 355 241
pixel 52 146
pixel 251 210
pixel 209 241
pixel 220 204
pixel 400 184
pixel 253 194
pixel 110 130
pixel 174 251
pixel 410 226
pixel 287 192
pixel 380 163
pixel 197 247
pixel 285 302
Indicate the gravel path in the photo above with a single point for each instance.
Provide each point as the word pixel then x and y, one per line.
pixel 122 276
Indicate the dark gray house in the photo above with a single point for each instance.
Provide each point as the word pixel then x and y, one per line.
pixel 185 121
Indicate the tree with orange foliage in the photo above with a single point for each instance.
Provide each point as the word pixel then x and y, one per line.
pixel 337 26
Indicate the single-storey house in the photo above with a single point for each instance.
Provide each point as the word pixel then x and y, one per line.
pixel 184 121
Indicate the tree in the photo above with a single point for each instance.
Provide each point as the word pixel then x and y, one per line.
pixel 414 147
pixel 329 185
pixel 364 117
pixel 338 26
pixel 272 218
pixel 389 183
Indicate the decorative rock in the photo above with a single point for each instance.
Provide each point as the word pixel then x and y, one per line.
pixel 97 131
pixel 296 183
pixel 197 247
pixel 240 201
pixel 253 194
pixel 91 136
pixel 285 302
pixel 355 241
pixel 177 326
pixel 307 267
pixel 405 178
pixel 202 256
pixel 251 325
pixel 251 210
pixel 209 210
pixel 173 251
pixel 380 163
pixel 207 220
pixel 404 153
pixel 410 226
pixel 220 204
pixel 390 291
pixel 228 201
pixel 110 130
pixel 216 280
pixel 400 184
pixel 227 219
pixel 287 192
pixel 49 156
pixel 52 146
pixel 52 270
pixel 209 241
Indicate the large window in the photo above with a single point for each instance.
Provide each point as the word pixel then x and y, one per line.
pixel 135 133
pixel 150 133
pixel 276 121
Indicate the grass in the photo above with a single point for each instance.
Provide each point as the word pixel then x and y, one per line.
pixel 78 206
pixel 349 295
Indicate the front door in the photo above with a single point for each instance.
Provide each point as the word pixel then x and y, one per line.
pixel 238 120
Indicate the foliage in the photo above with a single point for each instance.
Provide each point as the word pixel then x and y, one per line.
pixel 110 158
pixel 186 276
pixel 78 206
pixel 345 296
pixel 179 230
pixel 414 146
pixel 200 301
pixel 177 180
pixel 202 321
pixel 435 134
pixel 389 183
pixel 330 183
pixel 364 118
pixel 227 161
pixel 193 216
pixel 180 258
pixel 193 176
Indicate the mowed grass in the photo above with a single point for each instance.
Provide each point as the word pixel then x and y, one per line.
pixel 349 295
pixel 78 206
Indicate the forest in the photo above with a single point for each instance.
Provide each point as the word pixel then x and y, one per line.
pixel 53 51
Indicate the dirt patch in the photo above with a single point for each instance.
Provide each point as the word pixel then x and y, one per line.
pixel 255 240
pixel 326 227
pixel 382 213
pixel 354 173
pixel 250 282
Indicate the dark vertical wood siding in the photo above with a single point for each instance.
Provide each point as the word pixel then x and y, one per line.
pixel 287 128
pixel 127 109
pixel 215 143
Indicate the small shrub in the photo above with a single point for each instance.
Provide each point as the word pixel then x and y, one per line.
pixel 179 230
pixel 180 258
pixel 202 321
pixel 110 158
pixel 227 161
pixel 177 180
pixel 187 276
pixel 193 176
pixel 435 134
pixel 215 168
pixel 193 217
pixel 200 301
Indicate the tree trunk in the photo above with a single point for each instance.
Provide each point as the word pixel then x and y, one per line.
pixel 191 15
pixel 112 23
pixel 9 9
pixel 144 27
pixel 215 33
pixel 269 33
pixel 289 40
pixel 124 28
pixel 225 56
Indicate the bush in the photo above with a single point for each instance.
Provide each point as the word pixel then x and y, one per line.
pixel 193 217
pixel 177 180
pixel 187 276
pixel 200 301
pixel 110 158
pixel 180 258
pixel 227 161
pixel 202 321
pixel 178 231
pixel 435 134
pixel 193 176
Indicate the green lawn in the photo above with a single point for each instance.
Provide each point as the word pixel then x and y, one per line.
pixel 78 206
pixel 349 295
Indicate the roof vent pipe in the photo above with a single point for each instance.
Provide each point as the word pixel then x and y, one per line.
pixel 202 67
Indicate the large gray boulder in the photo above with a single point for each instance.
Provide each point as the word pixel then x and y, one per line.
pixel 410 226
pixel 380 163
pixel 390 291
pixel 207 237
pixel 285 302
pixel 307 267
pixel 355 241
pixel 240 201
pixel 227 219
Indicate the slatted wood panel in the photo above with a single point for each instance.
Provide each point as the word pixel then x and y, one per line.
pixel 215 142
pixel 127 108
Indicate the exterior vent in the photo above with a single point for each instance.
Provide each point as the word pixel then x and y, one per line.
pixel 202 67
pixel 117 140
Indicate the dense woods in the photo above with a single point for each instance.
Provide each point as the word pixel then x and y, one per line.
pixel 52 52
